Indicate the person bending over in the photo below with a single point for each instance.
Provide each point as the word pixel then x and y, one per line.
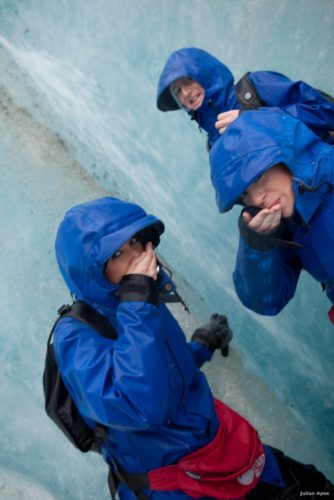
pixel 284 175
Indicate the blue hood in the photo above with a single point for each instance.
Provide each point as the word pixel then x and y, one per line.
pixel 198 65
pixel 258 140
pixel 87 237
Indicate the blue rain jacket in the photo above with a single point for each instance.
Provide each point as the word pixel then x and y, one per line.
pixel 298 99
pixel 145 386
pixel 266 280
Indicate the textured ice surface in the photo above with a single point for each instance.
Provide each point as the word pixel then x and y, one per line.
pixel 77 102
pixel 16 486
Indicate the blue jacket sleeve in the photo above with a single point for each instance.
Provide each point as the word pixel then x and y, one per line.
pixel 296 98
pixel 200 353
pixel 265 281
pixel 124 383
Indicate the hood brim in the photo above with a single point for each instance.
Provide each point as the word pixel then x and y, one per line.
pixel 166 101
pixel 107 242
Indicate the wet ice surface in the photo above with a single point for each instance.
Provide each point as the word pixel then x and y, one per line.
pixel 40 180
pixel 96 105
pixel 16 486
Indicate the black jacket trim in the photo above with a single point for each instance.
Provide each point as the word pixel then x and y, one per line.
pixel 138 288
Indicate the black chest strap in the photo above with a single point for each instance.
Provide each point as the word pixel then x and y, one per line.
pixel 90 316
pixel 137 483
pixel 247 95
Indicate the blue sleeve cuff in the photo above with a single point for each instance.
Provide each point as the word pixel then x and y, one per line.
pixel 200 353
pixel 271 473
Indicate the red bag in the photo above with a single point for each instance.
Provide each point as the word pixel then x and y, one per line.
pixel 227 468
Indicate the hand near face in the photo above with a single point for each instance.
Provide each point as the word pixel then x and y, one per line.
pixel 266 221
pixel 225 119
pixel 145 263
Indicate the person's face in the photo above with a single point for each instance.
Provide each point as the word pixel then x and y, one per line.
pixel 189 92
pixel 273 187
pixel 120 262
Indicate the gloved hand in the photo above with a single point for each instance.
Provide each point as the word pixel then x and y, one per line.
pixel 215 335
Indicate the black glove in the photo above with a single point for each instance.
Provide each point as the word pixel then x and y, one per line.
pixel 215 335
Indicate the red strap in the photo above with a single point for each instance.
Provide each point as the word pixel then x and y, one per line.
pixel 331 314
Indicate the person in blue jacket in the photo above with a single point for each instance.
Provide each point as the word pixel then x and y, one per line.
pixel 166 434
pixel 194 80
pixel 284 175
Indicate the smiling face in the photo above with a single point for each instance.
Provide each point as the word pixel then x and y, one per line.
pixel 189 93
pixel 119 263
pixel 273 187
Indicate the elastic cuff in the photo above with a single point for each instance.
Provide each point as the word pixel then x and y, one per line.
pixel 138 288
pixel 204 344
pixel 200 336
pixel 200 352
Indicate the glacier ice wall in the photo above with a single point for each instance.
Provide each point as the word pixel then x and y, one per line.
pixel 78 120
